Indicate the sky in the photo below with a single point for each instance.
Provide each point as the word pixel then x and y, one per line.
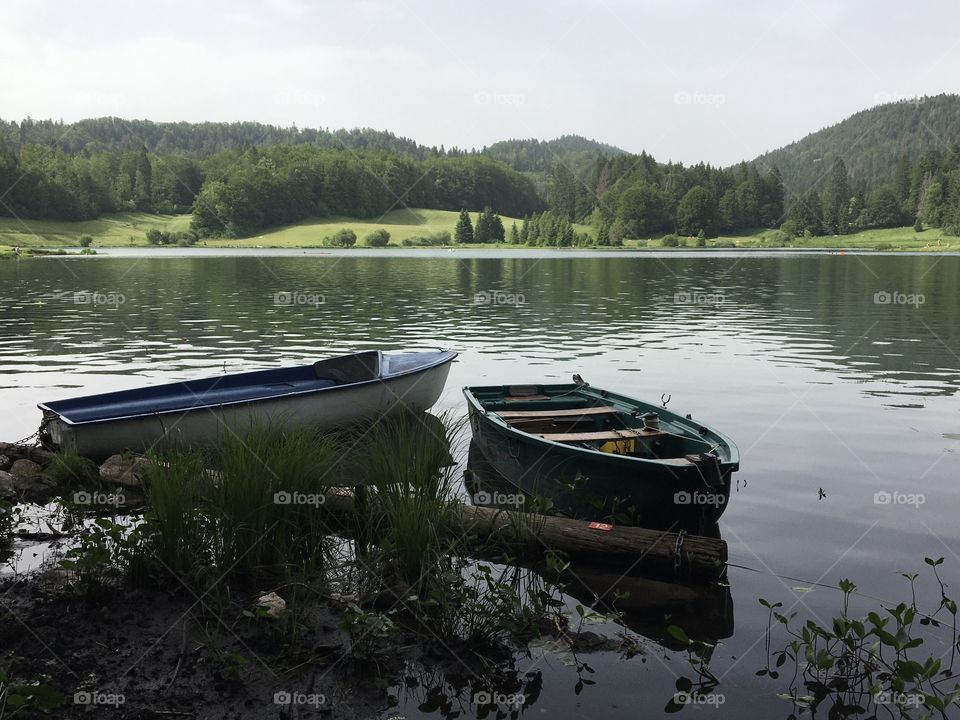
pixel 715 82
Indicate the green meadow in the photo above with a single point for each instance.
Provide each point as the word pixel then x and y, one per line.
pixel 129 229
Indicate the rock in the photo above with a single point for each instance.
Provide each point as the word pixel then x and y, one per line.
pixel 271 605
pixel 30 483
pixel 8 489
pixel 11 450
pixel 23 469
pixel 5 462
pixel 128 471
pixel 39 455
pixel 23 452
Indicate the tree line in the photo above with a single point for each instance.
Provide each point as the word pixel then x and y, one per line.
pixel 925 192
pixel 234 187
pixel 633 196
pixel 237 192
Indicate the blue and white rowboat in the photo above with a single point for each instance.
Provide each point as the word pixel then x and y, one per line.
pixel 327 394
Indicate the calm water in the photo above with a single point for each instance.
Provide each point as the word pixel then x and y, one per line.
pixel 824 386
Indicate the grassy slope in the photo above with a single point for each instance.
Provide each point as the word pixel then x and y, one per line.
pixel 904 238
pixel 108 230
pixel 130 229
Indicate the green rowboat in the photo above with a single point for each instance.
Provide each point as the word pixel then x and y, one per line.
pixel 597 455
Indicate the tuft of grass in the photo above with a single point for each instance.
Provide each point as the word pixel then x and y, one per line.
pixel 267 505
pixel 410 504
pixel 249 509
pixel 176 531
pixel 70 470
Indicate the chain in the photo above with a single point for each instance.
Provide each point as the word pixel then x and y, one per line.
pixel 35 437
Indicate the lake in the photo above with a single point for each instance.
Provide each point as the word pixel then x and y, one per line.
pixel 836 374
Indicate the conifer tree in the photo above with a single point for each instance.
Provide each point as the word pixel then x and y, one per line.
pixel 463 233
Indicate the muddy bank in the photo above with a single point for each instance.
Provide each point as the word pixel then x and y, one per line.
pixel 148 654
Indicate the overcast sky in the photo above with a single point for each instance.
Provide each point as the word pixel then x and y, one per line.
pixel 687 81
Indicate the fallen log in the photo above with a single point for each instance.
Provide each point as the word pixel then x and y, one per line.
pixel 627 548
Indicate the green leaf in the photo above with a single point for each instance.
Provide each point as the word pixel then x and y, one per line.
pixel 678 633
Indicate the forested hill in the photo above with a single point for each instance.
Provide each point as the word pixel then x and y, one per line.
pixel 531 155
pixel 890 166
pixel 196 140
pixel 870 143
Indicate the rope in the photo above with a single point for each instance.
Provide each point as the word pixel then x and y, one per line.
pixel 676 551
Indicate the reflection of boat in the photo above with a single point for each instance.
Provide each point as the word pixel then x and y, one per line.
pixel 326 394
pixel 647 605
pixel 598 455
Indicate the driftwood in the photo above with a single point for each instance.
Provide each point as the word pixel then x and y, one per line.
pixel 628 548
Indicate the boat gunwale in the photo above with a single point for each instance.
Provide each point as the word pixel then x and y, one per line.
pixel 733 461
pixel 444 359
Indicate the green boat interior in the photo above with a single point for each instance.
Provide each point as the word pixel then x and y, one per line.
pixel 579 418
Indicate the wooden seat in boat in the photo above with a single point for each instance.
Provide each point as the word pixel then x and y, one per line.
pixel 603 435
pixel 558 414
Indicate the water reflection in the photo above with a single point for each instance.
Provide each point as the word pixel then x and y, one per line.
pixel 187 312
pixel 647 604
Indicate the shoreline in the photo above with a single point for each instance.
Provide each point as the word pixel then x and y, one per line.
pixel 462 251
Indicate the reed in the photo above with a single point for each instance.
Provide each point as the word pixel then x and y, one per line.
pixel 410 507
pixel 175 534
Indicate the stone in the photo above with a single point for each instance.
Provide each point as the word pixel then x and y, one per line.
pixel 271 605
pixel 126 471
pixel 18 452
pixel 5 462
pixel 8 489
pixel 30 483
pixel 23 469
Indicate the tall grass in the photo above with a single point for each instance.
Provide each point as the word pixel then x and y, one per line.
pixel 70 470
pixel 268 504
pixel 176 530
pixel 411 511
pixel 248 509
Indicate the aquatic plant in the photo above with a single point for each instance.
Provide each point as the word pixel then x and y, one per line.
pixel 407 501
pixel 859 663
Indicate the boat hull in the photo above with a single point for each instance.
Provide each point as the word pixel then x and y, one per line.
pixel 604 487
pixel 325 409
